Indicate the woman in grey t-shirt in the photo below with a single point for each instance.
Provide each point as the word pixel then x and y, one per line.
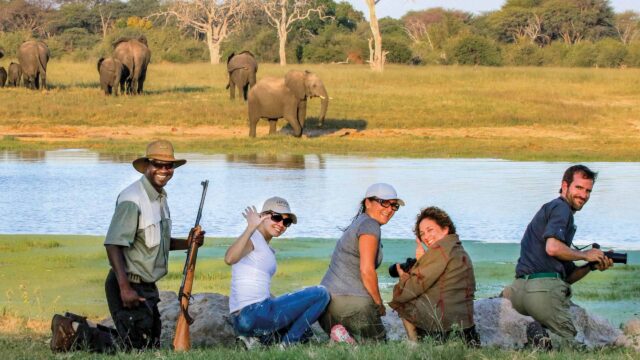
pixel 351 278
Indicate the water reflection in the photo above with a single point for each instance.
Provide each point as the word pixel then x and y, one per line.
pixel 280 161
pixel 74 192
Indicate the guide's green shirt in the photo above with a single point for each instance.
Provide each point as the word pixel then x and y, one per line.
pixel 150 264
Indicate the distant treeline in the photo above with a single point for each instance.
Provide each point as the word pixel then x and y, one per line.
pixel 523 32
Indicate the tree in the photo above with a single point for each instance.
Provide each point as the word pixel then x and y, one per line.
pixel 282 14
pixel 376 55
pixel 23 15
pixel 215 19
pixel 627 25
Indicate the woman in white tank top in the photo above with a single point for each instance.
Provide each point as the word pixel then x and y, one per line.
pixel 254 312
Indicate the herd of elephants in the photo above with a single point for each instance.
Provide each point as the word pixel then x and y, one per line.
pixel 270 98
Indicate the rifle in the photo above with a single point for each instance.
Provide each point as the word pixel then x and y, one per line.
pixel 182 340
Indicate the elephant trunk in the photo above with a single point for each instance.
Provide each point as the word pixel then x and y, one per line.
pixel 323 107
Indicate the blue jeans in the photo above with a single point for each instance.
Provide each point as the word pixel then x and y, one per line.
pixel 291 314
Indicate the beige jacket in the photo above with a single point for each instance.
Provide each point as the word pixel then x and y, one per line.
pixel 438 291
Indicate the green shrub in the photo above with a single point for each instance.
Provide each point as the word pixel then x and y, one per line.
pixel 582 54
pixel 10 42
pixel 633 54
pixel 523 55
pixel 474 50
pixel 611 53
pixel 555 53
pixel 423 53
pixel 398 50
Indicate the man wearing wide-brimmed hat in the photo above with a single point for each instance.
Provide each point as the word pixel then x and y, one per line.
pixel 137 244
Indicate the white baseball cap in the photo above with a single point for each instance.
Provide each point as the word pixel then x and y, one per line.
pixel 383 191
pixel 280 206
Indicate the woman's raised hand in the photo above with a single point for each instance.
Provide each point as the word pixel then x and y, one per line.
pixel 419 249
pixel 253 217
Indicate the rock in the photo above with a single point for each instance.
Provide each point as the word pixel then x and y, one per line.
pixel 632 333
pixel 210 312
pixel 498 324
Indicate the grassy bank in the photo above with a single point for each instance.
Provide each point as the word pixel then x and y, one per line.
pixel 513 113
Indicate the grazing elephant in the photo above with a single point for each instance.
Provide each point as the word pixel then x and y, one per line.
pixel 274 98
pixel 15 73
pixel 111 73
pixel 3 76
pixel 242 69
pixel 135 55
pixel 33 56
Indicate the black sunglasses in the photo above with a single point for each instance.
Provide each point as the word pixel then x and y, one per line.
pixel 161 165
pixel 276 218
pixel 387 203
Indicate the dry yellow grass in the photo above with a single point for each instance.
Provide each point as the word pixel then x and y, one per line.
pixel 514 113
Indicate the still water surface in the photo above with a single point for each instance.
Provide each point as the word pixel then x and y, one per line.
pixel 74 192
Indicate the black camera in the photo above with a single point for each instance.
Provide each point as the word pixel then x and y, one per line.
pixel 405 266
pixel 618 258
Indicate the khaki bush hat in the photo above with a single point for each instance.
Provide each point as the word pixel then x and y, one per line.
pixel 383 191
pixel 280 206
pixel 160 150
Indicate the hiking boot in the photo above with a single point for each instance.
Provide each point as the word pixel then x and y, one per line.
pixel 340 334
pixel 64 335
pixel 538 337
pixel 248 342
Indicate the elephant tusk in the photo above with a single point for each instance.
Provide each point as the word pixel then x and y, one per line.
pixel 321 97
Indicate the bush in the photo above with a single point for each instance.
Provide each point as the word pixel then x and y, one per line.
pixel 426 55
pixel 555 54
pixel 398 50
pixel 474 50
pixel 523 55
pixel 611 53
pixel 582 54
pixel 633 54
pixel 11 41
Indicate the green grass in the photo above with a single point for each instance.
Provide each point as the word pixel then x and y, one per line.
pixel 514 113
pixel 34 346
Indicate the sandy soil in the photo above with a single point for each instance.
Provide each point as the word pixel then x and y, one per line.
pixel 81 133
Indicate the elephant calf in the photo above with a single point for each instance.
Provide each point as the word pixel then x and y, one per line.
pixel 275 98
pixel 15 74
pixel 110 70
pixel 3 76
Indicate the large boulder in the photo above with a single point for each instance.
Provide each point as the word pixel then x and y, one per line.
pixel 498 324
pixel 211 326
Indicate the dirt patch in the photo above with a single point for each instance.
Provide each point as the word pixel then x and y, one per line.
pixel 82 133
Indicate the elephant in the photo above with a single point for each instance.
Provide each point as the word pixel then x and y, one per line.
pixel 3 76
pixel 135 55
pixel 242 69
pixel 274 98
pixel 33 56
pixel 111 74
pixel 15 73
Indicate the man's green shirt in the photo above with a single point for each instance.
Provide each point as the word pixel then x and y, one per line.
pixel 150 264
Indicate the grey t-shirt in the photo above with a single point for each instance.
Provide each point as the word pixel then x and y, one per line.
pixel 343 275
pixel 554 219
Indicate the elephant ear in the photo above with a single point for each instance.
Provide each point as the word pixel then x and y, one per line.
pixel 294 80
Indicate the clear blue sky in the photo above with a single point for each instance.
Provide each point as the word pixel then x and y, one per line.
pixel 397 8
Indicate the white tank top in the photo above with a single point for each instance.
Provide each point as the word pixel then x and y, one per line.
pixel 251 276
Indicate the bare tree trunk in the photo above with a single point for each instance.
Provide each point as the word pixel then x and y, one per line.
pixel 377 60
pixel 282 37
pixel 214 49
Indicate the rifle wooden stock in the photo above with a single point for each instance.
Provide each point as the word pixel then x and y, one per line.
pixel 182 338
